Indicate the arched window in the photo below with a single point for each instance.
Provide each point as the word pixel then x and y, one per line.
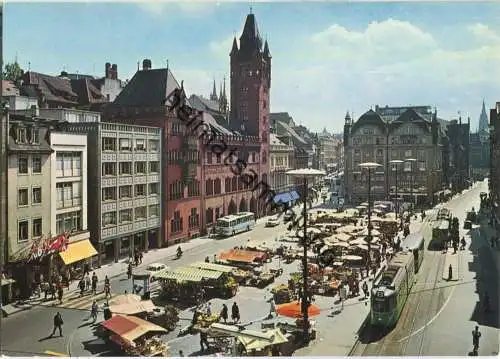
pixel 240 184
pixel 234 184
pixel 209 187
pixel 217 186
pixel 227 185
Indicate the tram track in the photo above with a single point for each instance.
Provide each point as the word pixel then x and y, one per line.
pixel 396 341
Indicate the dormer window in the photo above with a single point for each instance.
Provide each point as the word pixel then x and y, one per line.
pixel 21 135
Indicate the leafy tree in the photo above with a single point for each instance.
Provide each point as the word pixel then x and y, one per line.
pixel 13 72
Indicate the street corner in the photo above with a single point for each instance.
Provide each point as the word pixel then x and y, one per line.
pixel 85 341
pixel 451 267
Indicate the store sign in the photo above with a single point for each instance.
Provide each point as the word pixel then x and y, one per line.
pixel 49 245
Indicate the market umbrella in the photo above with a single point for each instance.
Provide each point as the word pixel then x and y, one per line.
pixel 364 204
pixel 365 232
pixel 294 310
pixel 351 257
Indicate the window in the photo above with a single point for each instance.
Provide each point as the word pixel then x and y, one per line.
pixel 408 153
pixel 23 165
pixel 422 166
pixel 357 153
pixel 77 164
pixel 154 188
pixel 36 163
pixel 124 144
pixel 68 194
pixel 140 212
pixel 140 145
pixel 109 219
pixel 21 135
pixel 109 144
pixel 209 158
pixel 140 189
pixel 154 210
pixel 69 222
pixel 219 159
pixel 407 166
pixel 380 153
pixel 253 157
pixel 126 215
pixel 176 222
pixel 194 219
pixel 109 194
pixel 109 169
pixel 22 231
pixel 176 190
pixel 22 197
pixel 36 196
pixel 153 167
pixel 154 145
pixel 37 227
pixel 35 136
pixel 125 192
pixel 140 167
pixel 125 168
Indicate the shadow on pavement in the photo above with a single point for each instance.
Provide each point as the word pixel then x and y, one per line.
pixel 487 279
pixel 50 336
pixel 372 334
pixel 99 347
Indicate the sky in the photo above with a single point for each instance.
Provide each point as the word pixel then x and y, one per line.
pixel 327 57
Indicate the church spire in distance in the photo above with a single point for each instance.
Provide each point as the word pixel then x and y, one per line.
pixel 483 119
pixel 213 95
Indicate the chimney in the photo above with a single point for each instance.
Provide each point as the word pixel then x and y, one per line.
pixel 106 70
pixel 146 64
pixel 114 72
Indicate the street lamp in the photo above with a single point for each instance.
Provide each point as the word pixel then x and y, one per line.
pixel 369 166
pixel 412 160
pixel 304 175
pixel 396 163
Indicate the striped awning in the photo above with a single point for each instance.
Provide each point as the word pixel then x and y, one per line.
pixel 188 274
pixel 212 267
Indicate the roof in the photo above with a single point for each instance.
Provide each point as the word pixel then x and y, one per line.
pixel 297 139
pixel 212 267
pixel 87 92
pixel 281 116
pixel 52 88
pixel 9 89
pixel 240 255
pixel 410 115
pixel 203 104
pixel 215 125
pixel 274 140
pixel 148 88
pixel 370 117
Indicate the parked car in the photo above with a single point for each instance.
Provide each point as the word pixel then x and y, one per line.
pixel 272 222
pixel 154 268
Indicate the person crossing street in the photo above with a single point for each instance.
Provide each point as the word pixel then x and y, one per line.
pixel 58 323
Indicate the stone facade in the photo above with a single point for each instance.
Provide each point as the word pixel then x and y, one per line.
pixel 281 162
pixel 494 178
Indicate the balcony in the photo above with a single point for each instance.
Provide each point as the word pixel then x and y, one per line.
pixel 69 203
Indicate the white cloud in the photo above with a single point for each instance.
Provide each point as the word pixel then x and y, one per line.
pixel 189 7
pixel 484 33
pixel 222 48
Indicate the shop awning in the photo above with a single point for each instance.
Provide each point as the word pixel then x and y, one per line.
pixel 78 251
pixel 213 267
pixel 131 328
pixel 282 198
pixel 144 306
pixel 257 344
pixel 188 274
pixel 295 196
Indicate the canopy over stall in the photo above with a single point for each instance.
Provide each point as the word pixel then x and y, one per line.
pixel 259 344
pixel 241 255
pixel 78 251
pixel 144 306
pixel 213 267
pixel 131 328
pixel 188 274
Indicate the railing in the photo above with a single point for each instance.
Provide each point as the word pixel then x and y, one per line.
pixel 68 203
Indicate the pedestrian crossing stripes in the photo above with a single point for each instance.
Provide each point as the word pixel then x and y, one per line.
pixel 75 301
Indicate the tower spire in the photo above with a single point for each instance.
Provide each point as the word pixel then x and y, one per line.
pixel 213 95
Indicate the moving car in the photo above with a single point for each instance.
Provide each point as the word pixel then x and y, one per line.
pixel 154 268
pixel 272 222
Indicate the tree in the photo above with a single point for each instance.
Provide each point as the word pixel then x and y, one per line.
pixel 13 72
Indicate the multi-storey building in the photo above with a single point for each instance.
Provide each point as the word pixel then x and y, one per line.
pixel 124 195
pixel 142 102
pixel 407 136
pixel 494 178
pixel 281 155
pixel 328 150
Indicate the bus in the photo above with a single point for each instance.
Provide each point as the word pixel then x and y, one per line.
pixel 235 223
pixel 391 290
pixel 414 243
pixel 440 233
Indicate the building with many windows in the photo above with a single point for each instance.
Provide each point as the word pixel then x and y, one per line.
pixel 494 178
pixel 124 192
pixel 281 155
pixel 393 135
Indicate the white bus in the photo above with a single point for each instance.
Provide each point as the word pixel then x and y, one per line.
pixel 235 223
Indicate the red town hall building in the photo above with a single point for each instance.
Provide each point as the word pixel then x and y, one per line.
pixel 200 186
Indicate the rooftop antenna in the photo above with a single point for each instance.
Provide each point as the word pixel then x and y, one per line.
pixel 138 62
pixel 251 8
pixel 29 66
pixel 167 65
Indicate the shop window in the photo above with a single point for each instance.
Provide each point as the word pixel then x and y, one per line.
pixel 210 215
pixel 22 231
pixel 23 165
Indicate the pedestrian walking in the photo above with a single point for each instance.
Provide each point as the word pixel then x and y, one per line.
pixel 209 309
pixel 81 285
pixel 235 313
pixel 450 272
pixel 342 295
pixel 204 341
pixel 181 353
pixel 93 311
pixel 107 291
pixel 58 323
pixel 53 291
pixel 476 335
pixel 88 282
pixel 224 313
pixel 60 294
pixel 365 290
pixel 140 257
pixel 94 283
pixel 106 280
pixel 272 308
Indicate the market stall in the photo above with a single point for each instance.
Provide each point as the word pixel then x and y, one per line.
pixel 135 336
pixel 239 257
